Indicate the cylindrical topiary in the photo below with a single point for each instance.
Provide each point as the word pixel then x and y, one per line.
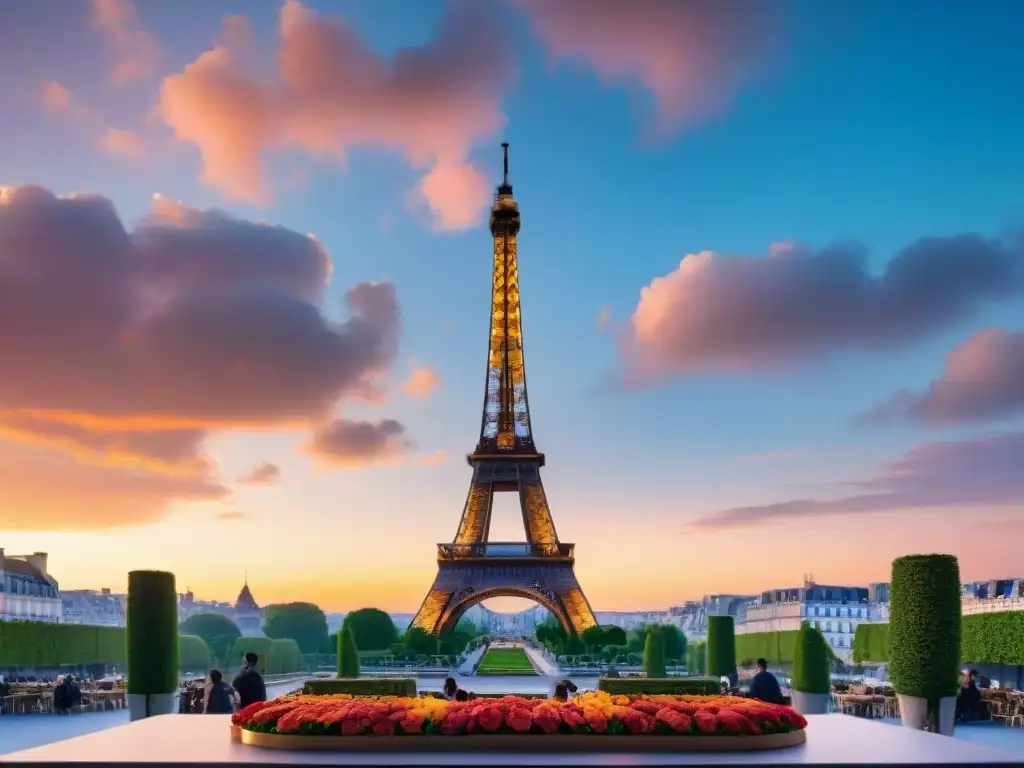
pixel 348 654
pixel 924 639
pixel 812 681
pixel 697 658
pixel 722 648
pixel 152 644
pixel 654 652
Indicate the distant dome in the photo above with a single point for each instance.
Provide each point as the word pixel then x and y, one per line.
pixel 245 601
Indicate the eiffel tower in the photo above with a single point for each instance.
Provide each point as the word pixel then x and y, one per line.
pixel 472 568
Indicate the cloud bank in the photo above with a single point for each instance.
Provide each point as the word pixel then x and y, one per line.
pixel 719 313
pixel 332 92
pixel 123 349
pixel 983 382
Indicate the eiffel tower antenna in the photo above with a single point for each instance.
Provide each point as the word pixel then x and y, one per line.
pixel 473 568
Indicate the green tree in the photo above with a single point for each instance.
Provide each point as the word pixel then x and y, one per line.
pixel 593 637
pixel 636 639
pixel 615 636
pixel 654 652
pixel 573 646
pixel 420 642
pixel 372 629
pixel 304 623
pixel 217 631
pixel 348 653
pixel 551 634
pixel 284 657
pixel 193 653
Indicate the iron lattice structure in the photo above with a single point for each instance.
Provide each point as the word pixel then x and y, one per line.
pixel 472 568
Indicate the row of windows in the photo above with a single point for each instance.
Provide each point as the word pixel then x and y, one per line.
pixel 13 585
pixel 836 611
pixel 846 627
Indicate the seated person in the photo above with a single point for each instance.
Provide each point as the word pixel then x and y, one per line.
pixel 764 686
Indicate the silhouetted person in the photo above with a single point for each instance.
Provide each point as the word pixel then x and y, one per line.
pixel 764 686
pixel 218 698
pixel 969 705
pixel 450 688
pixel 249 683
pixel 461 695
pixel 561 693
pixel 570 686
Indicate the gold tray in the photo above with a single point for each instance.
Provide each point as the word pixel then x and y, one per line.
pixel 507 742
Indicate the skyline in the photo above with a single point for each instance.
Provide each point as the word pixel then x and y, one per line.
pixel 771 270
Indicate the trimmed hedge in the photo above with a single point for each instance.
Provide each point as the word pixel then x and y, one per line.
pixel 284 657
pixel 778 647
pixel 193 654
pixel 654 652
pixel 924 629
pixel 152 633
pixel 811 662
pixel 362 686
pixel 721 646
pixel 664 686
pixel 871 644
pixel 258 645
pixel 39 644
pixel 987 638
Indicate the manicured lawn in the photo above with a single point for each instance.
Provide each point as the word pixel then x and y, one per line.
pixel 505 661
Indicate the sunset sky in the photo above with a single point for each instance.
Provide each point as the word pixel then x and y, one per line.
pixel 772 269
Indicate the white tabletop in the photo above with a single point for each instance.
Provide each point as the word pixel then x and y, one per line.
pixel 205 740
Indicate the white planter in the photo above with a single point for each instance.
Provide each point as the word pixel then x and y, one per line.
pixel 811 703
pixel 914 713
pixel 158 704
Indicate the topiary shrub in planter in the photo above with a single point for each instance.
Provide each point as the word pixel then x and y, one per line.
pixel 812 683
pixel 924 640
pixel 722 648
pixel 152 644
pixel 348 654
pixel 654 653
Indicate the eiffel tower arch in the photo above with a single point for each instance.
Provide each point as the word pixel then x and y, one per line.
pixel 472 568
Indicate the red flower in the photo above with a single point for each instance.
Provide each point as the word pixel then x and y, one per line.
pixel 638 722
pixel 677 721
pixel 349 727
pixel 412 724
pixel 455 722
pixel 547 718
pixel 518 719
pixel 572 715
pixel 647 707
pixel 384 727
pixel 245 714
pixel 489 718
pixel 734 722
pixel 707 722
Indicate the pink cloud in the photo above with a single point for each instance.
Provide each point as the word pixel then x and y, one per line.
pixel 58 100
pixel 983 381
pixel 233 516
pixel 347 443
pixel 719 313
pixel 434 459
pixel 978 472
pixel 264 473
pixel 421 382
pixel 122 143
pixel 138 52
pixel 692 56
pixel 332 93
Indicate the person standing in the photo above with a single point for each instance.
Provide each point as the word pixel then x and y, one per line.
pixel 218 698
pixel 764 686
pixel 248 683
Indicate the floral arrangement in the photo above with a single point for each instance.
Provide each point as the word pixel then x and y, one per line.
pixel 590 713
